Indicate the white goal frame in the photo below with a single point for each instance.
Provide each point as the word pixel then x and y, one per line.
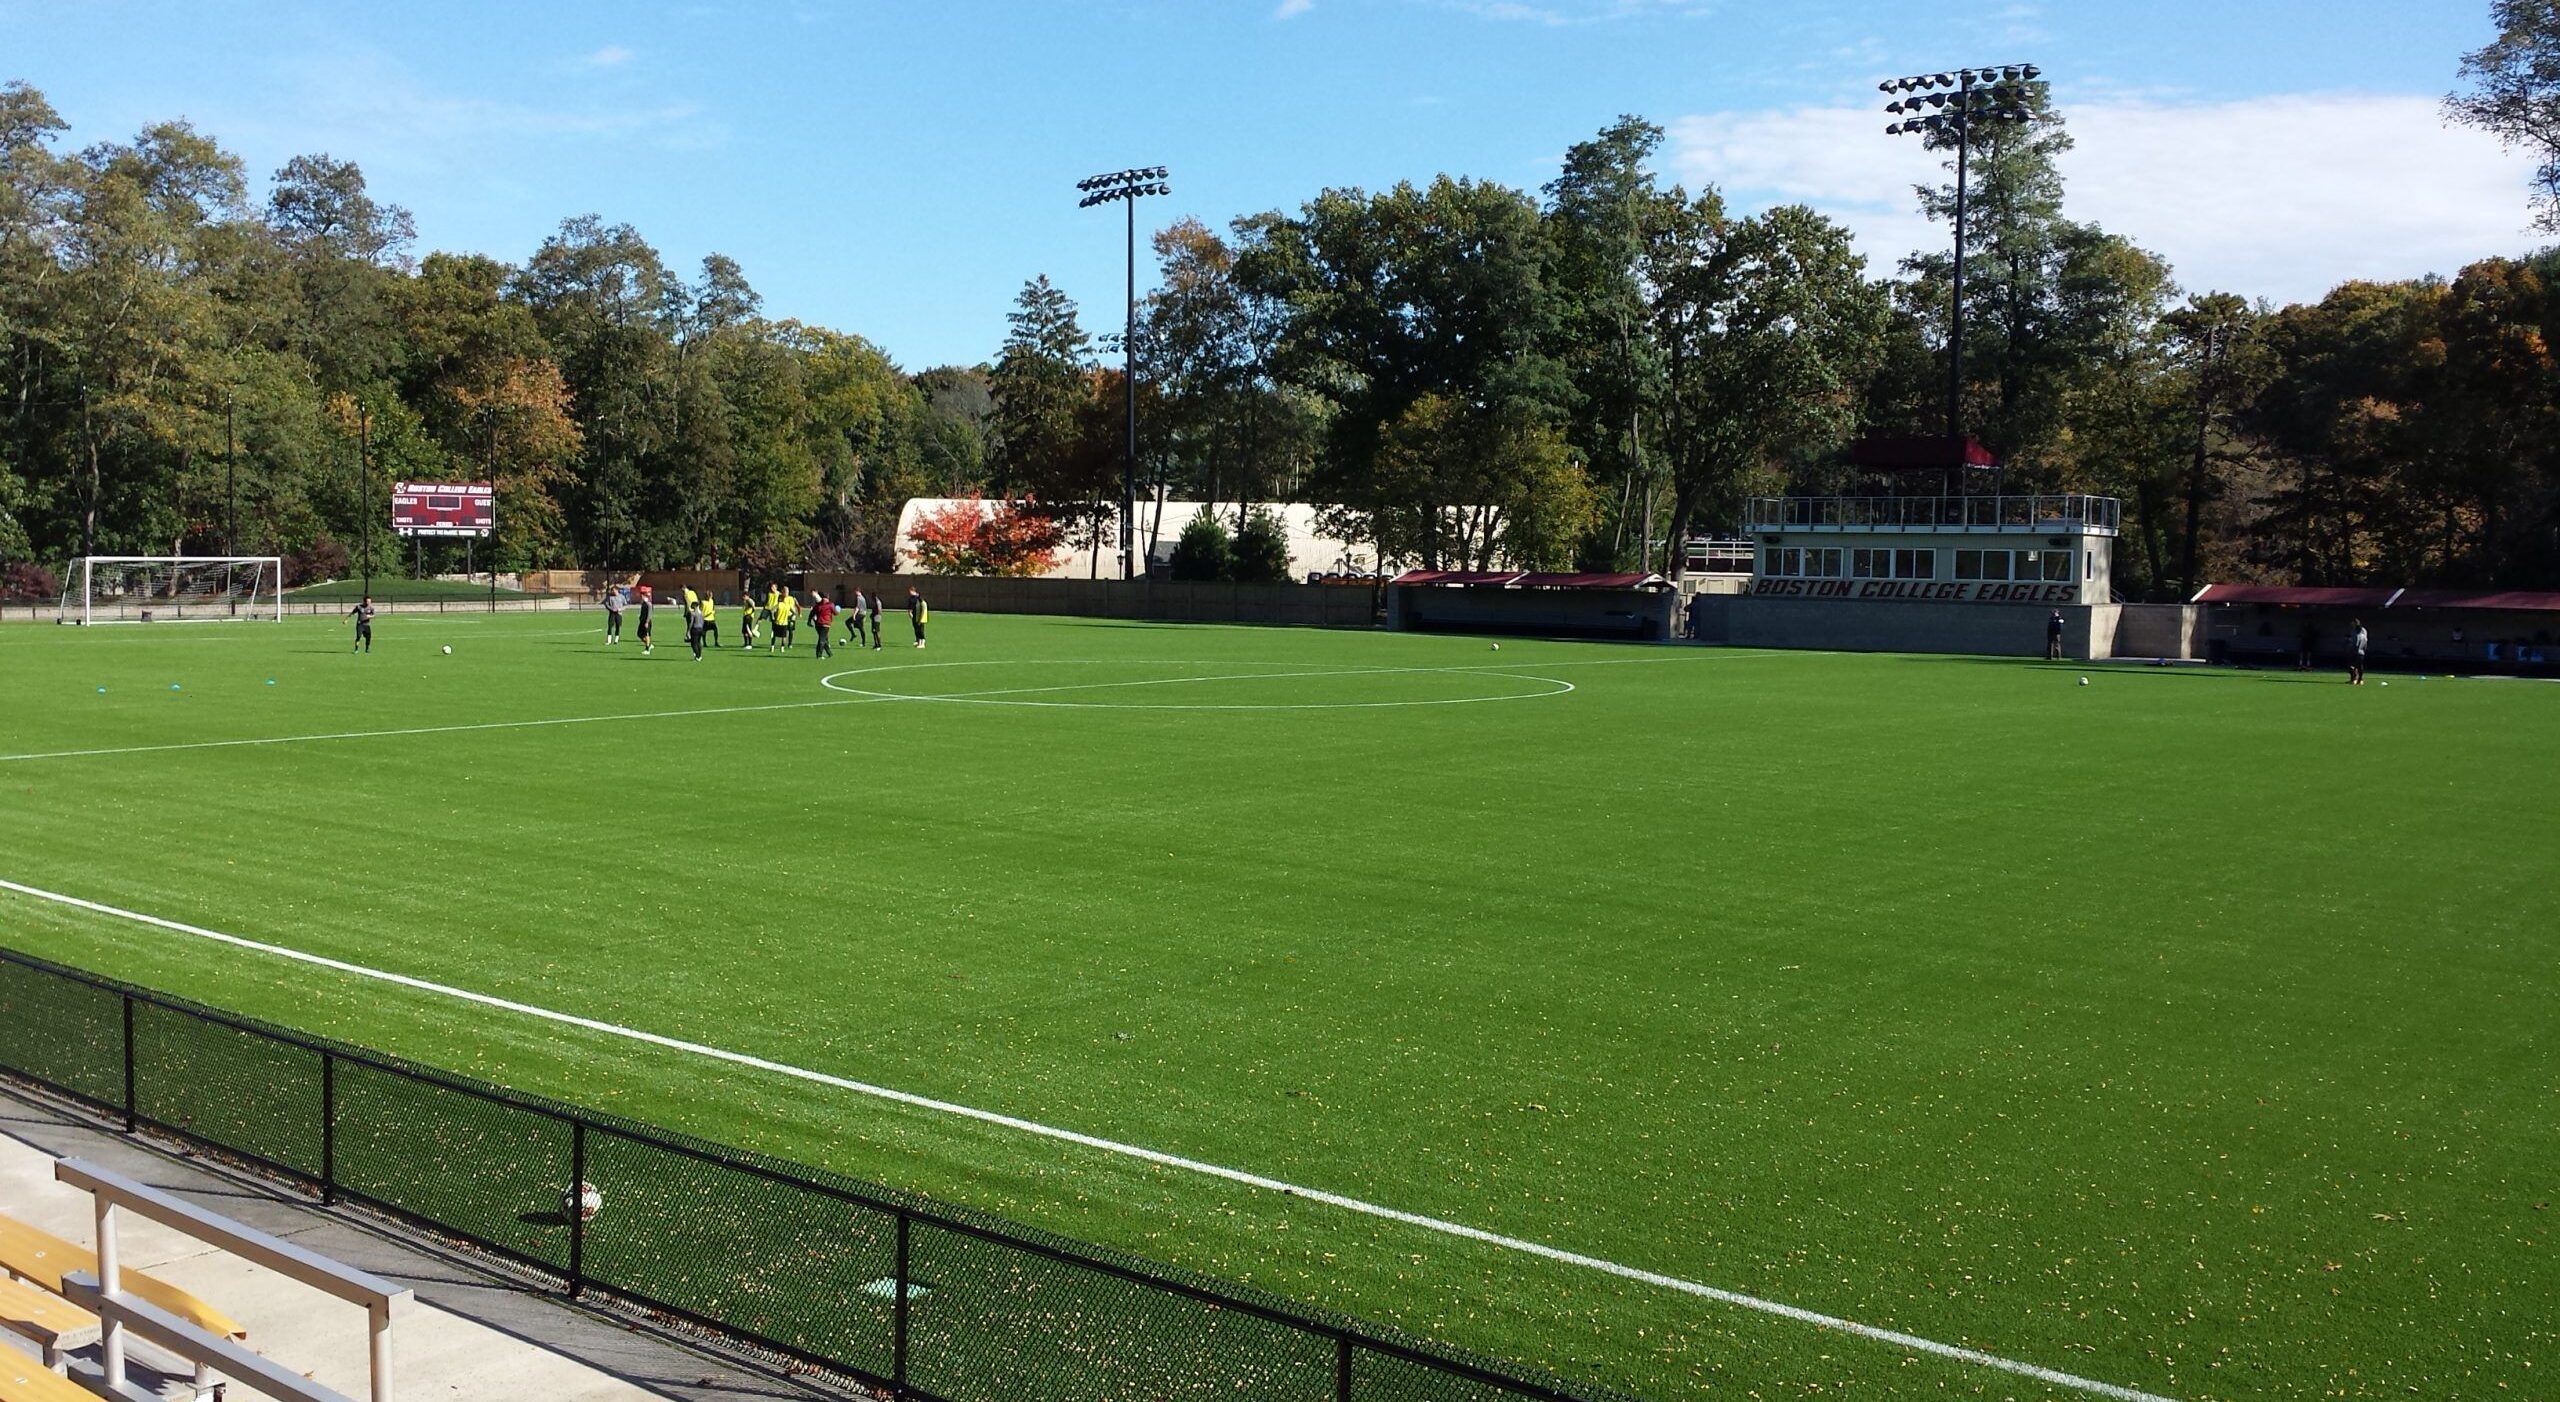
pixel 263 601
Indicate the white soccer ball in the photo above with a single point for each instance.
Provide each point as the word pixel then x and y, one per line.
pixel 586 1202
pixel 1497 647
pixel 2084 681
pixel 448 649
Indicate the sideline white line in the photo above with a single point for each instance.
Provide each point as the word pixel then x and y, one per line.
pixel 439 729
pixel 1894 1337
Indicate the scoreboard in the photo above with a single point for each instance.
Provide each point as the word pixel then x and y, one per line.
pixel 443 508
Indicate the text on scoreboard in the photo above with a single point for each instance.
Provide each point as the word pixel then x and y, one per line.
pixel 444 508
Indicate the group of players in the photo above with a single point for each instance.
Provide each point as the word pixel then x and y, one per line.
pixel 777 616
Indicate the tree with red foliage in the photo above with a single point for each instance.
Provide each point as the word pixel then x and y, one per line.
pixel 972 536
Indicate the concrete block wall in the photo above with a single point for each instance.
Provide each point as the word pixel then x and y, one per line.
pixel 2015 630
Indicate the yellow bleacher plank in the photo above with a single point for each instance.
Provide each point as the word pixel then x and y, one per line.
pixel 44 1258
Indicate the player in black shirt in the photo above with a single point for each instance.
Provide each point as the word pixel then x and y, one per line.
pixel 362 613
pixel 647 644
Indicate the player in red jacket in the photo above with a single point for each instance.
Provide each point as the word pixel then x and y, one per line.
pixel 823 613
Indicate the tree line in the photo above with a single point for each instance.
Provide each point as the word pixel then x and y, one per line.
pixel 1455 374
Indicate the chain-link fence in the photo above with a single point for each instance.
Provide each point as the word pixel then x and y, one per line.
pixel 921 1299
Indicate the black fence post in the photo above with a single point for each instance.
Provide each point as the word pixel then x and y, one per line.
pixel 328 1130
pixel 898 1318
pixel 575 1202
pixel 1342 1368
pixel 129 1119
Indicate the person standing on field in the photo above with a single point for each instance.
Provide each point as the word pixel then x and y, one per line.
pixel 612 615
pixel 710 620
pixel 823 614
pixel 2355 661
pixel 648 642
pixel 693 625
pixel 362 613
pixel 875 623
pixel 917 612
pixel 786 615
pixel 853 617
pixel 2053 637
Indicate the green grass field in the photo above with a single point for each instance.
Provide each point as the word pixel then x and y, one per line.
pixel 2192 1031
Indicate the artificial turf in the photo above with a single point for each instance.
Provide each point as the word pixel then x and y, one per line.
pixel 2189 1031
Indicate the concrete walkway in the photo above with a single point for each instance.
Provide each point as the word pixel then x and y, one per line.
pixel 474 1334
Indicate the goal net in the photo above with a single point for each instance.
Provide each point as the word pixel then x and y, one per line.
pixel 148 589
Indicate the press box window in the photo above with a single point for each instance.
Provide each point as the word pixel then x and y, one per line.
pixel 1893 564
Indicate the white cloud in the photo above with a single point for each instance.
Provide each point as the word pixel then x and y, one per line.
pixel 2280 197
pixel 610 56
pixel 1291 9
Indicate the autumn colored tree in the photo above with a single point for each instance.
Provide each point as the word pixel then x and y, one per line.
pixel 973 536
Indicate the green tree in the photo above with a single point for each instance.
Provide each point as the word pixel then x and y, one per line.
pixel 1203 552
pixel 1262 550
pixel 2515 92
pixel 1603 212
pixel 1770 330
pixel 1417 293
pixel 608 307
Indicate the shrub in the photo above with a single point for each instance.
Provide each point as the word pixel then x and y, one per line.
pixel 1262 550
pixel 29 583
pixel 1203 554
pixel 323 559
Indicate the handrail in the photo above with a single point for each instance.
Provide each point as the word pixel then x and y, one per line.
pixel 111 1190
pixel 2049 511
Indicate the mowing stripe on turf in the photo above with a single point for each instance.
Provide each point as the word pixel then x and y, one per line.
pixel 1894 1337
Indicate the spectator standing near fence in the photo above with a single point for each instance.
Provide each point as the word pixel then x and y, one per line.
pixel 2053 637
pixel 2355 662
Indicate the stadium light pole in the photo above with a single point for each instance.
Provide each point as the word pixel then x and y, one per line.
pixel 230 483
pixel 364 489
pixel 1127 187
pixel 1928 109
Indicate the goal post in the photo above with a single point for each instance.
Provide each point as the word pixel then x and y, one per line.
pixel 172 589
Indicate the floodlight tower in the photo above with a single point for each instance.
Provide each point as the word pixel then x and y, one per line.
pixel 1948 104
pixel 1127 187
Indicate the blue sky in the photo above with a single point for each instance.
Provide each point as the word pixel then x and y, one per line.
pixel 899 169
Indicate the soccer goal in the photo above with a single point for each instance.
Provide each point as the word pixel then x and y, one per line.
pixel 172 589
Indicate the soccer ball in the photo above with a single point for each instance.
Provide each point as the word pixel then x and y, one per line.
pixel 2084 681
pixel 586 1202
pixel 1497 647
pixel 448 649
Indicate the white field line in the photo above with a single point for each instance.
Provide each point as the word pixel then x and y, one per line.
pixel 850 699
pixel 1893 1337
pixel 1563 687
pixel 439 729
